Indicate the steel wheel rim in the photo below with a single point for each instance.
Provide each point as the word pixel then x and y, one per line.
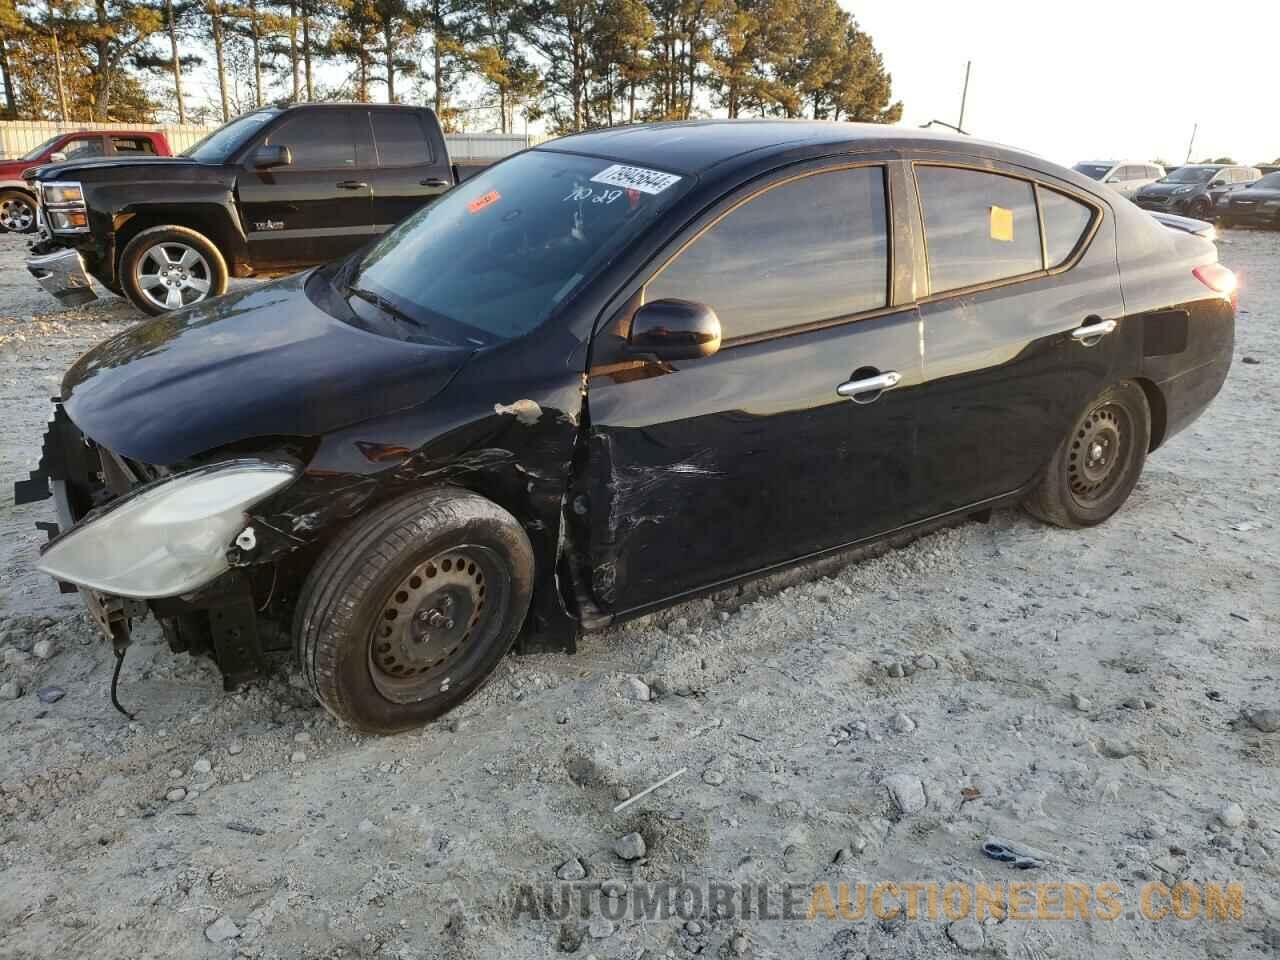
pixel 1099 450
pixel 16 215
pixel 436 622
pixel 173 275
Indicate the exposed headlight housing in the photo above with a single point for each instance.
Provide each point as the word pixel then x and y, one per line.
pixel 167 538
pixel 64 207
pixel 1182 190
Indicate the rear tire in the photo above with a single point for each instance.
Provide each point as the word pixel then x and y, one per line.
pixel 17 212
pixel 412 607
pixel 170 267
pixel 1098 463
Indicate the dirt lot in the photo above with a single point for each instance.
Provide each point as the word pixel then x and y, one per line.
pixel 1078 692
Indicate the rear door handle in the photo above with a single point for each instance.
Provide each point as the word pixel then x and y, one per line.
pixel 352 185
pixel 433 182
pixel 872 386
pixel 1091 333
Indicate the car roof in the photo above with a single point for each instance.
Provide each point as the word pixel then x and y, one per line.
pixel 693 146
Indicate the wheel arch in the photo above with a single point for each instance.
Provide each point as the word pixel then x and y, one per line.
pixel 209 219
pixel 1159 410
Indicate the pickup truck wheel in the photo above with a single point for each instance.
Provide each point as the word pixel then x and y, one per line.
pixel 17 211
pixel 164 268
pixel 1098 463
pixel 411 608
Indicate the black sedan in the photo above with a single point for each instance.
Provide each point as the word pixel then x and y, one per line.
pixel 614 372
pixel 1258 204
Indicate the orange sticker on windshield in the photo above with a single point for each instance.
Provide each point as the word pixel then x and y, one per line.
pixel 1002 224
pixel 479 203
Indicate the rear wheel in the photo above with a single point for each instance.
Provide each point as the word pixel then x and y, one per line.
pixel 412 607
pixel 166 268
pixel 17 211
pixel 1097 465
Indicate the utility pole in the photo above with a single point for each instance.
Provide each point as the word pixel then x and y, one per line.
pixel 964 95
pixel 1194 128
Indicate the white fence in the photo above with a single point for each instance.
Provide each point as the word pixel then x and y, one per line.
pixel 19 136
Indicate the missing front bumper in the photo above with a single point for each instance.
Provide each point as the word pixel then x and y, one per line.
pixel 63 276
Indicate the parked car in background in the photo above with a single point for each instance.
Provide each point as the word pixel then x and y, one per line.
pixel 1126 177
pixel 1257 204
pixel 612 373
pixel 270 193
pixel 17 196
pixel 1195 190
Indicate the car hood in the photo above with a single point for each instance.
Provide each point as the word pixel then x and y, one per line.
pixel 128 166
pixel 1166 189
pixel 12 169
pixel 264 362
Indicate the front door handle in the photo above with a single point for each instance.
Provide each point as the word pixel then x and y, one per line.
pixel 869 388
pixel 352 184
pixel 1091 333
pixel 433 182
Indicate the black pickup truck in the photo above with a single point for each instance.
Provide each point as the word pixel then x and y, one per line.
pixel 271 192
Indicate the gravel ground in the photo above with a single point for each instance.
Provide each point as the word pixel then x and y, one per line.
pixel 1078 692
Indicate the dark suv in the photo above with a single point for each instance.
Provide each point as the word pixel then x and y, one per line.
pixel 1194 190
pixel 269 193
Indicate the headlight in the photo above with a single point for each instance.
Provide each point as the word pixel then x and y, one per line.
pixel 63 193
pixel 68 221
pixel 1182 190
pixel 170 537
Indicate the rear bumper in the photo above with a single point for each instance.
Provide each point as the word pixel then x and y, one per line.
pixel 62 274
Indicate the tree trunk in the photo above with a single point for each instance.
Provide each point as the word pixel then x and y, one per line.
pixel 57 70
pixel 10 105
pixel 436 61
pixel 177 63
pixel 102 77
pixel 257 53
pixel 306 48
pixel 388 46
pixel 215 27
pixel 293 51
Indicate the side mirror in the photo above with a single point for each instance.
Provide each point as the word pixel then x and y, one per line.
pixel 675 330
pixel 57 156
pixel 1113 179
pixel 264 158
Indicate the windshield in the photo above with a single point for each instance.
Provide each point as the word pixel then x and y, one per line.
pixel 35 153
pixel 217 146
pixel 1094 171
pixel 1191 175
pixel 498 253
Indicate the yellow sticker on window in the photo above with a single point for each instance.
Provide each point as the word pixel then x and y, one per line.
pixel 1002 224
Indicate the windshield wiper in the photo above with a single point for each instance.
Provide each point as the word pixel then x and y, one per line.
pixel 383 304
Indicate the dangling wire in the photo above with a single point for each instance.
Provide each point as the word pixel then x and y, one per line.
pixel 115 680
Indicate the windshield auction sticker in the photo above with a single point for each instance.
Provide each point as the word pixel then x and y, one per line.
pixel 484 200
pixel 636 178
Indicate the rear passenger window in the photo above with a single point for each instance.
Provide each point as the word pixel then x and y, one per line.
pixel 132 145
pixel 810 249
pixel 401 139
pixel 979 227
pixel 1065 223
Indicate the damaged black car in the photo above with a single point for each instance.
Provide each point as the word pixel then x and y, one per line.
pixel 611 373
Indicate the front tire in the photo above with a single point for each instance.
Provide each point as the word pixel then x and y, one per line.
pixel 1098 463
pixel 17 212
pixel 1201 209
pixel 166 268
pixel 412 607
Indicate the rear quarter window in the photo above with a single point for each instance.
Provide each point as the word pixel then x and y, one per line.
pixel 979 227
pixel 1066 221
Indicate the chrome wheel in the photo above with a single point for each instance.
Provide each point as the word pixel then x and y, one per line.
pixel 17 215
pixel 434 620
pixel 1095 463
pixel 172 275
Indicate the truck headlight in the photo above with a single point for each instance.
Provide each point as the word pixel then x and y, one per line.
pixel 68 221
pixel 168 538
pixel 63 192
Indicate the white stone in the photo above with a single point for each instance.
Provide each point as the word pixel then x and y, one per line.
pixel 907 792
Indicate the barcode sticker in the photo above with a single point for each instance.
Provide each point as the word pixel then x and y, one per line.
pixel 636 178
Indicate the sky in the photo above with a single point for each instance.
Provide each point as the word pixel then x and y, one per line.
pixel 1085 81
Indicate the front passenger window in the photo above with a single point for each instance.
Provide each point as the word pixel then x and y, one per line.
pixel 809 249
pixel 317 139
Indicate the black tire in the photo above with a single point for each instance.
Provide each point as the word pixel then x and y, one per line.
pixel 140 261
pixel 17 212
pixel 365 628
pixel 1098 463
pixel 1200 209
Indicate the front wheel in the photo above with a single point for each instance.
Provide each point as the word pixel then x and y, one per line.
pixel 165 268
pixel 1201 209
pixel 17 211
pixel 412 607
pixel 1098 463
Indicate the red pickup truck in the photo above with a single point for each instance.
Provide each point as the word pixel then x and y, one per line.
pixel 18 203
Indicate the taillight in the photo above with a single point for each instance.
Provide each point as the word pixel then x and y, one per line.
pixel 1220 280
